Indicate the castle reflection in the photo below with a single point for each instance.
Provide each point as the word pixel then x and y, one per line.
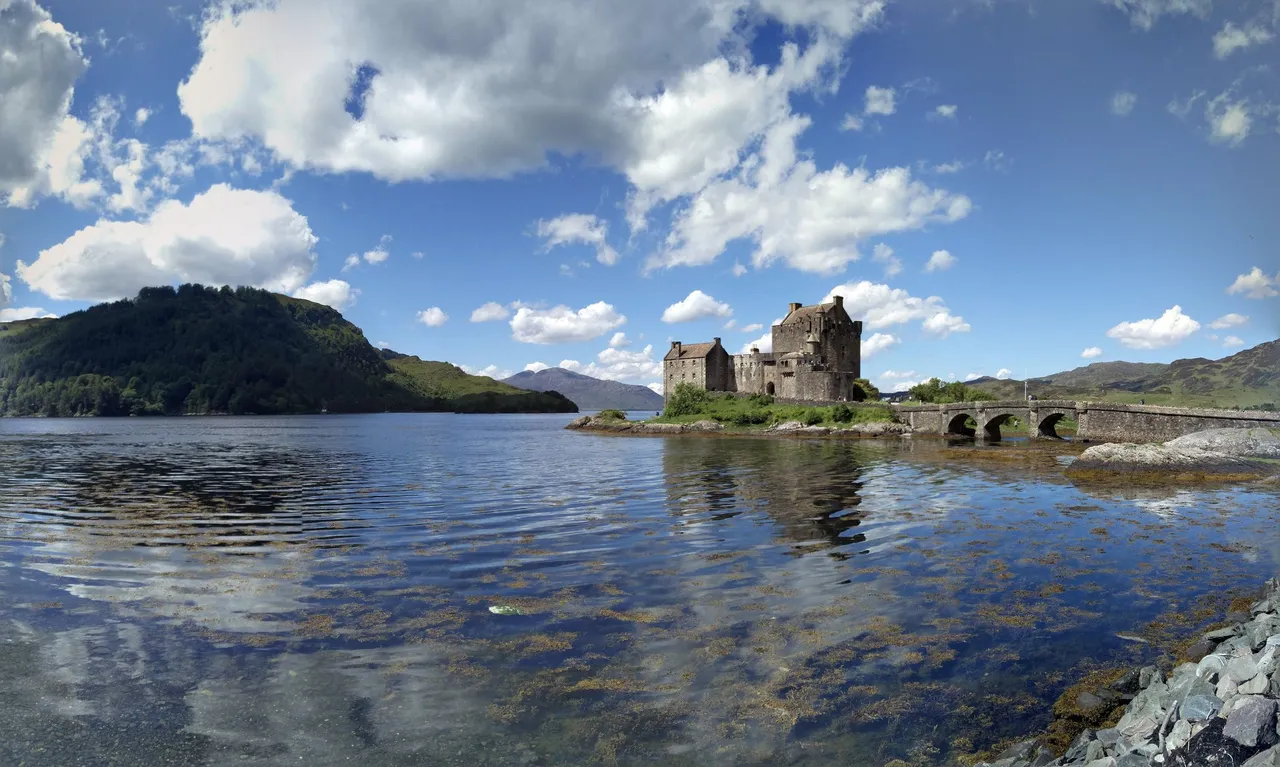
pixel 810 490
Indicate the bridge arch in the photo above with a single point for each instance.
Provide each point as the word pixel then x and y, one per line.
pixel 990 421
pixel 1049 419
pixel 957 424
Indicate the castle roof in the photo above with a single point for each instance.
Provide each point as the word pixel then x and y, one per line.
pixel 690 351
pixel 804 313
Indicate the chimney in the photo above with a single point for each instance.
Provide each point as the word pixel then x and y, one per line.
pixel 839 302
pixel 715 341
pixel 675 347
pixel 792 307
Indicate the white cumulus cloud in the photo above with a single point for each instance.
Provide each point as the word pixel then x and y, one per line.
pixel 1233 342
pixel 883 254
pixel 851 122
pixel 41 62
pixel 1233 37
pixel 6 290
pixel 880 101
pixel 140 116
pixel 488 88
pixel 535 367
pixel 1255 284
pixel 1144 13
pixel 619 365
pixel 695 306
pixel 877 343
pixel 945 111
pixel 810 220
pixel 1230 119
pixel 492 371
pixel 375 255
pixel 753 327
pixel 941 260
pixel 1168 329
pixel 1092 352
pixel 880 306
pixel 490 311
pixel 1229 321
pixel 579 228
pixel 656 387
pixel 1122 103
pixel 1004 373
pixel 224 236
pixel 433 317
pixel 561 324
pixel 619 341
pixel 335 293
pixel 23 313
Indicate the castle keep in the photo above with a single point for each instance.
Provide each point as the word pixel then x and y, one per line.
pixel 817 355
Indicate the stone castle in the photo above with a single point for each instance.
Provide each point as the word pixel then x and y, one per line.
pixel 817 355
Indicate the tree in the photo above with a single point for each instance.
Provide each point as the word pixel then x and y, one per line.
pixel 934 391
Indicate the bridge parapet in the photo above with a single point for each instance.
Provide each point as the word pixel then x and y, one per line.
pixel 1098 421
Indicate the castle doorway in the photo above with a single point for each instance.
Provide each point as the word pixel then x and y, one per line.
pixel 768 388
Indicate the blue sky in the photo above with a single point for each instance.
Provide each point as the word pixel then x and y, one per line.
pixel 1089 180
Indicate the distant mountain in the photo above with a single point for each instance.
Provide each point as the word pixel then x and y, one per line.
pixel 1102 374
pixel 589 393
pixel 197 350
pixel 1250 378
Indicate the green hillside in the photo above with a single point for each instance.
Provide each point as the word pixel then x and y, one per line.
pixel 1247 379
pixel 468 393
pixel 198 350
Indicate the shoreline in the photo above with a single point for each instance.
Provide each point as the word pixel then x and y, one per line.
pixel 1218 706
pixel 864 430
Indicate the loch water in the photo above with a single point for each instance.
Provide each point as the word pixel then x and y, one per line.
pixel 318 590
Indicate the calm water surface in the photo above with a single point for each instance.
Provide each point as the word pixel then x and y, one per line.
pixel 317 591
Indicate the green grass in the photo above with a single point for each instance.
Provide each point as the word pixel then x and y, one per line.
pixel 761 413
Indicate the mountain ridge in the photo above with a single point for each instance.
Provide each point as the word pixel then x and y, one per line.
pixel 195 350
pixel 1247 378
pixel 587 392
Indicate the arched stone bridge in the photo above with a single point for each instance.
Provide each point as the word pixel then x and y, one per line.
pixel 1097 421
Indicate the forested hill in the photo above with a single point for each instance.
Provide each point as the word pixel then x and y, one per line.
pixel 198 350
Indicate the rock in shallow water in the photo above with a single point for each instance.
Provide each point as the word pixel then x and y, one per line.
pixel 1129 459
pixel 1242 443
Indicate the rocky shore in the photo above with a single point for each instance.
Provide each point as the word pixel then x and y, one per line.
pixel 788 429
pixel 1226 454
pixel 1218 711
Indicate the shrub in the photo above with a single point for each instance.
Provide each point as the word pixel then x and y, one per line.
pixel 811 417
pixel 867 389
pixel 762 400
pixel 749 417
pixel 687 399
pixel 842 414
pixel 614 414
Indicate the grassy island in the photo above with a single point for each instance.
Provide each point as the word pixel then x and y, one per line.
pixel 689 404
